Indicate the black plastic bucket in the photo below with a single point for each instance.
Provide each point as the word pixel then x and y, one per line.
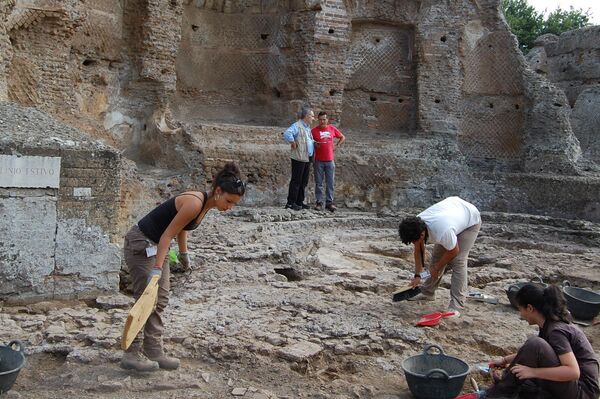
pixel 583 304
pixel 435 376
pixel 11 362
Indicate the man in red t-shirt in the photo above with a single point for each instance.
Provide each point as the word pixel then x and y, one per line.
pixel 323 136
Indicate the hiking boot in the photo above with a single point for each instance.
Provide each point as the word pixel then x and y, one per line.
pixel 422 297
pixel 319 206
pixel 136 361
pixel 164 361
pixel 293 207
pixel 330 207
pixel 305 206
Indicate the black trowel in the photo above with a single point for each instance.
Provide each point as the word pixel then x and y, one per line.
pixel 405 292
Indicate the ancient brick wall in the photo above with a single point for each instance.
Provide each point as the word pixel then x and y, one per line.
pixel 245 63
pixel 494 100
pixel 380 70
pixel 5 49
pixel 411 83
pixel 63 57
pixel 570 61
pixel 41 62
pixel 585 121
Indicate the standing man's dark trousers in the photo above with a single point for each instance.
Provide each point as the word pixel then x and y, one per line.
pixel 298 182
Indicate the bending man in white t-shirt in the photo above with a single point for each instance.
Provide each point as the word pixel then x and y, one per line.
pixel 452 225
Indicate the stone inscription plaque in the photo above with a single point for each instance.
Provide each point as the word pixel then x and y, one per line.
pixel 29 171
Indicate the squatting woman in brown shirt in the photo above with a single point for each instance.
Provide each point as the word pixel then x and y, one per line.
pixel 559 363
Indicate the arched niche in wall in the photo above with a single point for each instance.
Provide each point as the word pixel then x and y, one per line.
pixel 239 66
pixel 493 103
pixel 381 89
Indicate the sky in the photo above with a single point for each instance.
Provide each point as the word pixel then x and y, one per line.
pixel 551 5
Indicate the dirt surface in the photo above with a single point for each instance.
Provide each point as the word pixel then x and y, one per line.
pixel 284 304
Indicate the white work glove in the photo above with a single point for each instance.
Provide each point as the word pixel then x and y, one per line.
pixel 154 272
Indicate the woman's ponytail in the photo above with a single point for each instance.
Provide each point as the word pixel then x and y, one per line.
pixel 555 305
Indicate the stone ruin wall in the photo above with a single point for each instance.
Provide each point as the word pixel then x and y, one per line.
pixel 572 62
pixel 435 98
pixel 456 112
pixel 58 242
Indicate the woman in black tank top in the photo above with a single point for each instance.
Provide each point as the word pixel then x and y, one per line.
pixel 146 247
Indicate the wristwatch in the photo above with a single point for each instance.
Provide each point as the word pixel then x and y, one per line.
pixel 424 274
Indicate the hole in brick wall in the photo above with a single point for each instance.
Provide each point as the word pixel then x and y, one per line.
pixel 289 273
pixel 400 100
pixel 437 101
pixel 564 70
pixel 489 46
pixel 332 92
pixel 558 105
pixel 517 106
pixel 331 31
pixel 491 105
pixel 373 98
pixel 443 39
pixel 264 36
pixel 88 62
pixel 377 40
pixel 195 27
pixel 144 127
pixel 164 71
pixel 276 92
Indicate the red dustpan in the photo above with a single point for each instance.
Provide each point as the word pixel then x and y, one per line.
pixel 433 319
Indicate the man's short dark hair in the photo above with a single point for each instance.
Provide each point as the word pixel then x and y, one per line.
pixel 410 229
pixel 322 113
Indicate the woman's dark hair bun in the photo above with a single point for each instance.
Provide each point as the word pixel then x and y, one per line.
pixel 229 180
pixel 231 168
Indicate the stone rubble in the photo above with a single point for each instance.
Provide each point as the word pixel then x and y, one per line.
pixel 243 330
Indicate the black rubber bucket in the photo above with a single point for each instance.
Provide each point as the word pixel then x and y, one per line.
pixel 11 362
pixel 511 290
pixel 435 376
pixel 583 304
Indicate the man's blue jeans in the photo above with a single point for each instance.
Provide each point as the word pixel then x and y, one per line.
pixel 324 169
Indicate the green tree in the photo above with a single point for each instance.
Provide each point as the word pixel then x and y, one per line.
pixel 560 21
pixel 527 24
